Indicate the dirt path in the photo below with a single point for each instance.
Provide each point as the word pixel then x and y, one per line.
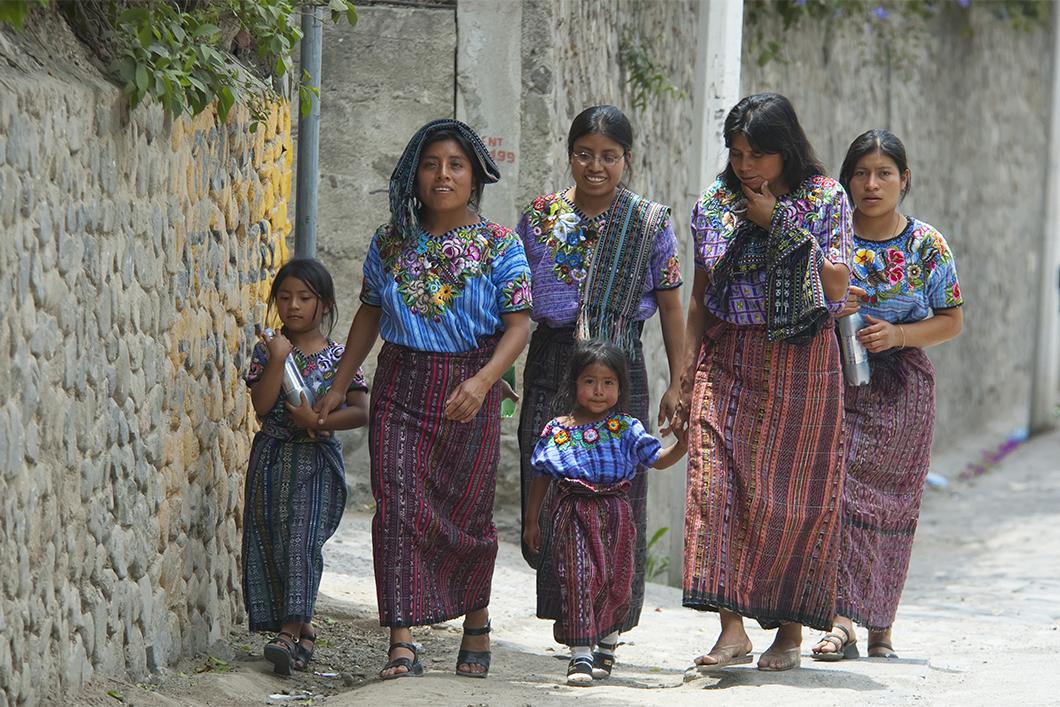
pixel 979 625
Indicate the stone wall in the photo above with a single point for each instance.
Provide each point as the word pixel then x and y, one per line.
pixel 970 98
pixel 135 257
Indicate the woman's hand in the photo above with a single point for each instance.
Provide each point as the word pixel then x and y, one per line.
pixel 667 407
pixel 880 335
pixel 332 400
pixel 532 535
pixel 853 303
pixel 463 403
pixel 760 205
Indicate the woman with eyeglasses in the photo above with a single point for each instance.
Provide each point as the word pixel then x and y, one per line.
pixel 603 260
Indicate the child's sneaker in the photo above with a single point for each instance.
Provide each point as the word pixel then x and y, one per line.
pixel 580 671
pixel 604 660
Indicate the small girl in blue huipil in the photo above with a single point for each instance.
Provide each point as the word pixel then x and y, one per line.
pixel 585 461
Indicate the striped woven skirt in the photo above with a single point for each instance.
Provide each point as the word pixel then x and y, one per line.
pixel 765 477
pixel 433 538
pixel 586 585
pixel 293 500
pixel 546 367
pixel 889 425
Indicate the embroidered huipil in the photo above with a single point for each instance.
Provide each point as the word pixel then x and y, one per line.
pixel 906 276
pixel 603 452
pixel 445 293
pixel 819 205
pixel 318 372
pixel 559 242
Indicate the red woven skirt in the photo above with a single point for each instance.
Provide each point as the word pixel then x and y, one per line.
pixel 434 542
pixel 586 586
pixel 890 424
pixel 765 477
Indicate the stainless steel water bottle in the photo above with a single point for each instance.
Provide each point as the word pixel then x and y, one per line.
pixel 856 370
pixel 294 386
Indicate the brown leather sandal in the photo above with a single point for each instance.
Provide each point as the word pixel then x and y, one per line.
pixel 888 650
pixel 846 646
pixel 303 655
pixel 280 651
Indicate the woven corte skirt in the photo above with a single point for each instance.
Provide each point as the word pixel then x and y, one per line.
pixel 294 498
pixel 546 367
pixel 433 538
pixel 586 585
pixel 889 425
pixel 765 477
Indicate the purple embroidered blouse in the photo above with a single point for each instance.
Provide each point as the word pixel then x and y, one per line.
pixel 559 240
pixel 820 206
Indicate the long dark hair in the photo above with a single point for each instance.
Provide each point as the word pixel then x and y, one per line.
pixel 876 140
pixel 478 174
pixel 604 120
pixel 769 123
pixel 317 278
pixel 586 353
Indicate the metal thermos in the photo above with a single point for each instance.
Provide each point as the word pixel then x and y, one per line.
pixel 294 386
pixel 856 370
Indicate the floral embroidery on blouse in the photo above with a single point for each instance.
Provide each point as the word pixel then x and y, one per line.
pixel 587 435
pixel 904 265
pixel 432 272
pixel 516 294
pixel 815 205
pixel 670 277
pixel 568 236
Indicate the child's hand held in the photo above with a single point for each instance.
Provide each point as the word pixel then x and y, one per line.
pixel 532 537
pixel 303 415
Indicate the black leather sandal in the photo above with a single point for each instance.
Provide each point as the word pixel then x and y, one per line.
pixel 603 662
pixel 413 668
pixel 467 657
pixel 580 671
pixel 279 651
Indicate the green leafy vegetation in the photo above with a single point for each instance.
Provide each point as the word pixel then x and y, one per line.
pixel 645 78
pixel 190 54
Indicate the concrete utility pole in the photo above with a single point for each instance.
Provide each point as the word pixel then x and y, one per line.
pixel 1044 381
pixel 715 91
pixel 305 225
pixel 488 86
pixel 717 87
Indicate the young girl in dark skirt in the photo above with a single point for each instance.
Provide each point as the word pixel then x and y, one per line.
pixel 296 486
pixel 585 459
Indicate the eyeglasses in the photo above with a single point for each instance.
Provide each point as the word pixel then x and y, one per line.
pixel 608 159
